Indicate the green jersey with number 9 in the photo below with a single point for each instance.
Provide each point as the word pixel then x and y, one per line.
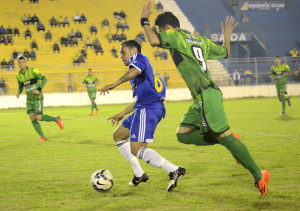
pixel 190 54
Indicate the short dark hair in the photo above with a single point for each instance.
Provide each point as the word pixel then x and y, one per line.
pixel 132 44
pixel 277 57
pixel 167 18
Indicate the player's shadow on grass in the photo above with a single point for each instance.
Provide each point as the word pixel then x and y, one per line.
pixel 286 118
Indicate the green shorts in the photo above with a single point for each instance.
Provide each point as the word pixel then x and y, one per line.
pixel 35 107
pixel 207 115
pixel 281 88
pixel 92 95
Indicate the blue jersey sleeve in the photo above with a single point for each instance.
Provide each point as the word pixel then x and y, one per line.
pixel 138 61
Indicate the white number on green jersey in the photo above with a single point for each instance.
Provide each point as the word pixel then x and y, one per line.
pixel 198 53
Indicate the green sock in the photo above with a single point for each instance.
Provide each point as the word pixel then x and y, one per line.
pixel 48 118
pixel 95 106
pixel 283 99
pixel 92 107
pixel 195 137
pixel 241 154
pixel 38 128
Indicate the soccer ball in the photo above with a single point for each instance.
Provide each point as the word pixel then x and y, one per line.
pixel 102 180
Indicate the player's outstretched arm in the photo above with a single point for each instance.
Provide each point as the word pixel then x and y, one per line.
pixel 118 117
pixel 150 34
pixel 227 29
pixel 130 74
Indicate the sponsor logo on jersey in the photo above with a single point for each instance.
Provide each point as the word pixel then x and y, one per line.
pixel 133 136
pixel 26 83
pixel 30 89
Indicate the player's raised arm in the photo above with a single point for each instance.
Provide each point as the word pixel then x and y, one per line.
pixel 227 29
pixel 130 74
pixel 150 34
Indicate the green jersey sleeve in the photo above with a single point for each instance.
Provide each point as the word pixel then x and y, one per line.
pixel 84 80
pixel 37 74
pixel 287 68
pixel 168 39
pixel 216 52
pixel 21 86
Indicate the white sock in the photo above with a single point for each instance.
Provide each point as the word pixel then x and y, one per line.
pixel 124 147
pixel 153 158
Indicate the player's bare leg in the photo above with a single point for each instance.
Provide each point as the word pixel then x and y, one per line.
pixel 120 137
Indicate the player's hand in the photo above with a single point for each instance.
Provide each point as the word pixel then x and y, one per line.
pixel 18 95
pixel 116 119
pixel 105 89
pixel 146 12
pixel 229 26
pixel 36 92
pixel 272 77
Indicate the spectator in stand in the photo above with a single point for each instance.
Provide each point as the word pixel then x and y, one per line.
pixel 34 1
pixel 81 59
pixel 117 15
pixel 9 39
pixel 56 47
pixel 294 53
pixel 164 54
pixel 40 27
pixel 69 41
pixel 9 30
pixel 96 41
pixel 16 32
pixel 78 34
pixel 32 55
pixel 157 54
pixel 98 49
pixel 116 37
pixel 15 54
pixel 236 77
pixel 25 20
pixel 29 19
pixel 122 37
pixel 63 41
pixel 61 21
pixel 83 18
pixel 3 86
pixel 159 7
pixel 3 65
pixel 34 45
pixel 76 60
pixel 77 18
pixel 66 21
pixel 2 40
pixel 72 34
pixel 35 19
pixel 165 79
pixel 114 52
pixel 105 22
pixel 248 77
pixel 83 52
pixel 122 14
pixel 11 65
pixel 141 36
pixel 26 54
pixel 120 26
pixel 126 25
pixel 93 29
pixel 245 18
pixel 88 43
pixel 74 41
pixel 27 33
pixel 70 80
pixel 2 30
pixel 48 36
pixel 53 22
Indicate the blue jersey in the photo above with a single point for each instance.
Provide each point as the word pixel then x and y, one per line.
pixel 148 89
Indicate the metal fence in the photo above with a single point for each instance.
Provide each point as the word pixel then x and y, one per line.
pixel 58 74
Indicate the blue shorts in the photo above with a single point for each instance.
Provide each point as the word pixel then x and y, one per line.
pixel 142 124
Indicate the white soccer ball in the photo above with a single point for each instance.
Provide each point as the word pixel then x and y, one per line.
pixel 102 180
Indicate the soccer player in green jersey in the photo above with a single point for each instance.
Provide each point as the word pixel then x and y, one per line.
pixel 30 79
pixel 205 122
pixel 90 81
pixel 279 72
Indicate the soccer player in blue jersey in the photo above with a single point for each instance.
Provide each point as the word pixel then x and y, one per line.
pixel 149 94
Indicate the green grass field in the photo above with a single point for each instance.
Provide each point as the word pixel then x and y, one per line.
pixel 55 175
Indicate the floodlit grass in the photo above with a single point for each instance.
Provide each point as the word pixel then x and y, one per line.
pixel 55 175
